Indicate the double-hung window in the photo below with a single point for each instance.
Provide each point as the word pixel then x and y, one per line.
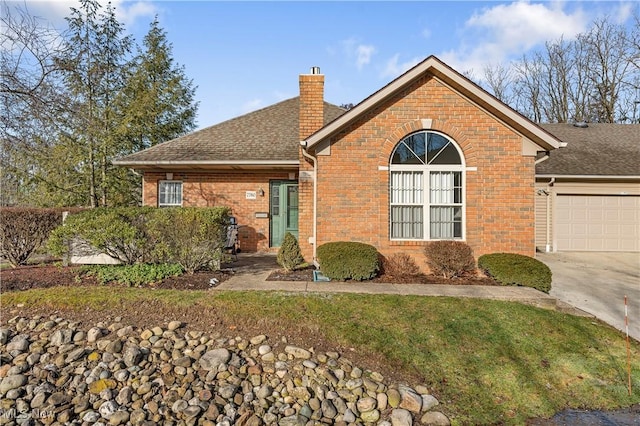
pixel 426 188
pixel 169 193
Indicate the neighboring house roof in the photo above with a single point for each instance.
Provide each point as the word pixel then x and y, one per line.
pixel 264 138
pixel 457 82
pixel 597 150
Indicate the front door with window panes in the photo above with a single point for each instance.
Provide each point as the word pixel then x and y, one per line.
pixel 426 188
pixel 283 205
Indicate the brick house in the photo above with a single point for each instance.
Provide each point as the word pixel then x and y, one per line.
pixel 428 156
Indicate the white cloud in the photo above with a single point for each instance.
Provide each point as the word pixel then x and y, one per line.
pixel 393 69
pixel 364 55
pixel 360 52
pixel 127 12
pixel 504 31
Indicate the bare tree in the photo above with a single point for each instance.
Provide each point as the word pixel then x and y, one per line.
pixel 591 78
pixel 499 79
pixel 31 98
pixel 610 65
pixel 529 74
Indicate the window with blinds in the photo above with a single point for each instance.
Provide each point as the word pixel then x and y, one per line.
pixel 426 188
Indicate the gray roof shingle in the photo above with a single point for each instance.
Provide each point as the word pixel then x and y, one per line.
pixel 271 134
pixel 597 150
pixel 268 134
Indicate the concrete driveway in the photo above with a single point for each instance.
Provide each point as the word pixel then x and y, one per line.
pixel 597 283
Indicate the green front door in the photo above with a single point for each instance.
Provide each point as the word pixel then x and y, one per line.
pixel 284 210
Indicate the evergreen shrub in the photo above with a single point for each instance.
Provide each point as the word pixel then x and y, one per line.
pixel 516 269
pixel 120 232
pixel 289 254
pixel 345 260
pixel 192 237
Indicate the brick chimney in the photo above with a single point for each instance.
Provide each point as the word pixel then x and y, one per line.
pixel 311 102
pixel 311 120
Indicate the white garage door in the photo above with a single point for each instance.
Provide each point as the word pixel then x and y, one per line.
pixel 597 223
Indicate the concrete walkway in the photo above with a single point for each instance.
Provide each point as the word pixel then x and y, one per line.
pixel 252 270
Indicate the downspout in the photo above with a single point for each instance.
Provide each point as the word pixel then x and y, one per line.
pixel 547 192
pixel 315 198
pixel 548 242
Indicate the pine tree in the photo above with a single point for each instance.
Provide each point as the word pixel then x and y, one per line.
pixel 289 254
pixel 95 60
pixel 159 98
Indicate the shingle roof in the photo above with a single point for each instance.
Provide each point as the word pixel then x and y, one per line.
pixel 597 150
pixel 269 134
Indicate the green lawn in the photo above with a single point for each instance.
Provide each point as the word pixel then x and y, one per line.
pixel 487 362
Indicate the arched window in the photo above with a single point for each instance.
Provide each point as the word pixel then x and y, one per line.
pixel 426 188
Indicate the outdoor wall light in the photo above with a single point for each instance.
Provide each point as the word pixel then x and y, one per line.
pixel 261 192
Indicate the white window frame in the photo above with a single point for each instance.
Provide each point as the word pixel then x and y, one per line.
pixel 161 193
pixel 426 204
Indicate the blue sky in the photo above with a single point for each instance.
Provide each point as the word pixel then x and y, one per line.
pixel 243 56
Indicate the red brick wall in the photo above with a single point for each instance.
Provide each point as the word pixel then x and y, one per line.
pixel 209 189
pixel 353 201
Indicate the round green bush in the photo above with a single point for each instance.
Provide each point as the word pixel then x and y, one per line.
pixel 516 269
pixel 346 260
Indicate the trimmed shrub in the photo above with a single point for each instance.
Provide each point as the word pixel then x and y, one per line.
pixel 289 254
pixel 192 237
pixel 450 258
pixel 516 269
pixel 118 232
pixel 25 230
pixel 348 260
pixel 400 265
pixel 138 275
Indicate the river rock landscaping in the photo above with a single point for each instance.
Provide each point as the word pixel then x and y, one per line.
pixel 55 371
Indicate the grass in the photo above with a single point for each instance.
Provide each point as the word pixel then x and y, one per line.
pixel 488 362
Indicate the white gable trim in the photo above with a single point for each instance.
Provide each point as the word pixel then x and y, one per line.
pixel 463 85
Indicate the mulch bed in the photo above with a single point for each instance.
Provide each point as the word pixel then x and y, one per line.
pixel 48 275
pixel 51 275
pixel 306 274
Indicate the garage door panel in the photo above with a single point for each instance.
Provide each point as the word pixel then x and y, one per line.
pixel 597 223
pixel 611 215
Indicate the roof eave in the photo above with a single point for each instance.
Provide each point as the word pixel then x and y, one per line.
pixel 210 164
pixel 586 177
pixel 535 133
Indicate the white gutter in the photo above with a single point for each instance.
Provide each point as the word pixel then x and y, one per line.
pixel 588 177
pixel 315 199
